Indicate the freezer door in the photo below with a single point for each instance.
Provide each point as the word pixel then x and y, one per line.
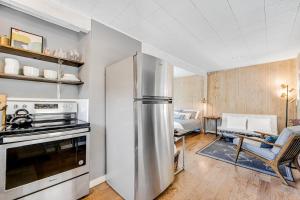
pixel 153 77
pixel 154 160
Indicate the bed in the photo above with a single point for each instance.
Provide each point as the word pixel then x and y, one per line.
pixel 187 119
pixel 189 124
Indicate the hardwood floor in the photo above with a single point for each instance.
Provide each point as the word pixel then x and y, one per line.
pixel 207 179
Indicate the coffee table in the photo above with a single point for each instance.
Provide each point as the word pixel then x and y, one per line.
pixel 234 134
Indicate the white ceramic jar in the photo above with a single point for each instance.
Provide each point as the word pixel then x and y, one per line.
pixel 12 66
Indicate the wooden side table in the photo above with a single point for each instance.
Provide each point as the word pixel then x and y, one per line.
pixel 211 118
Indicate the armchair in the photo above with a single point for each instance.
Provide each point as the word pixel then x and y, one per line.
pixel 284 151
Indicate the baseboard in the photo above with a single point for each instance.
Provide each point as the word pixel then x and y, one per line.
pixel 97 181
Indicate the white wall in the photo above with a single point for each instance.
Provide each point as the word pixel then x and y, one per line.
pixel 189 91
pixel 102 47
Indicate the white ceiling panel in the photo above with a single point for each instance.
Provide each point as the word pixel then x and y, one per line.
pixel 107 11
pixel 145 7
pixel 127 19
pixel 133 14
pixel 249 13
pixel 210 34
pixel 159 19
pixel 189 18
pixel 208 10
pixel 79 5
pixel 280 19
pixel 295 32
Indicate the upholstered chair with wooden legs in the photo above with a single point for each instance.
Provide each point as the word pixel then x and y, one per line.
pixel 284 151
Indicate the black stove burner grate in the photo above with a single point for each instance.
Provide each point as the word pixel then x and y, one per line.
pixel 9 130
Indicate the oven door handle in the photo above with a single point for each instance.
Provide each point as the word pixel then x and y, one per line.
pixel 13 139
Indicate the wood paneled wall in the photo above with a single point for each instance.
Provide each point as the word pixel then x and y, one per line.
pixel 189 91
pixel 253 90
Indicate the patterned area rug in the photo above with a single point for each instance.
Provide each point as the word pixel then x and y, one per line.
pixel 224 151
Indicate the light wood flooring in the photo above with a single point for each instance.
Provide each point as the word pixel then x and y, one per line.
pixel 208 179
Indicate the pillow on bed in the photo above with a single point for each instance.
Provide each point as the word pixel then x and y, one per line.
pixel 182 115
pixel 198 115
pixel 187 116
pixel 193 113
pixel 176 110
pixel 178 115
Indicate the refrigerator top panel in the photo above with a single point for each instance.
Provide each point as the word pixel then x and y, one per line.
pixel 153 77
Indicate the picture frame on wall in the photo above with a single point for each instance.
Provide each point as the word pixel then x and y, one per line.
pixel 25 40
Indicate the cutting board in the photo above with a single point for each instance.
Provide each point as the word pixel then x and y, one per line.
pixel 2 101
pixel 2 112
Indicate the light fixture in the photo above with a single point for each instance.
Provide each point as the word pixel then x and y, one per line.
pixel 285 94
pixel 203 100
pixel 283 85
pixel 203 103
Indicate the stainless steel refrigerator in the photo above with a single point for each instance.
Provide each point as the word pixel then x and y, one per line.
pixel 139 127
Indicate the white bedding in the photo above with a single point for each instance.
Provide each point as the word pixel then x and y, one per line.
pixel 177 126
pixel 190 124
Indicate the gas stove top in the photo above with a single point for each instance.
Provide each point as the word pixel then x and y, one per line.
pixel 29 120
pixel 9 130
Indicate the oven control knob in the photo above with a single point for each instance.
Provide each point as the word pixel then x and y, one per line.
pixel 24 106
pixel 80 162
pixel 16 106
pixel 64 106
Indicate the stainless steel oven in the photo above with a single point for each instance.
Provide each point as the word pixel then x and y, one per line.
pixel 28 167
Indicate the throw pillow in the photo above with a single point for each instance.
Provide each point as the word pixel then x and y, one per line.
pixel 182 116
pixel 271 139
pixel 179 116
pixel 193 113
pixel 187 116
pixel 235 122
pixel 259 124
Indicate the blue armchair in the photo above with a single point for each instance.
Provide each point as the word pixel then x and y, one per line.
pixel 284 151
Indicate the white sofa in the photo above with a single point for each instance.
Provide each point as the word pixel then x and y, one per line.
pixel 247 124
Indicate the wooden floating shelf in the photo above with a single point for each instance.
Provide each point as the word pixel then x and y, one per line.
pixel 38 56
pixel 38 79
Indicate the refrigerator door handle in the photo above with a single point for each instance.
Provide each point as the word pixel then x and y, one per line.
pixel 155 97
pixel 154 101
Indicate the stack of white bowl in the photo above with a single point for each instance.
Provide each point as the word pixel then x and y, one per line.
pixel 31 71
pixel 50 74
pixel 12 66
pixel 70 77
